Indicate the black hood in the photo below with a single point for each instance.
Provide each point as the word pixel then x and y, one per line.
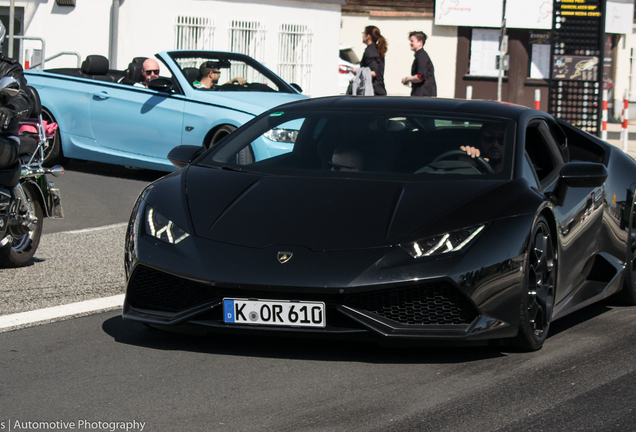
pixel 326 214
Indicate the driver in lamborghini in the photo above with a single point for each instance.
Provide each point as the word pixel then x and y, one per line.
pixel 491 145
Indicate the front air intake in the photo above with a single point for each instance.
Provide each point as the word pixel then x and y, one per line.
pixel 155 290
pixel 438 304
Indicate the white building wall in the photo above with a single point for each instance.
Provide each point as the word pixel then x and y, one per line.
pixel 441 46
pixel 150 24
pixel 147 27
pixel 83 29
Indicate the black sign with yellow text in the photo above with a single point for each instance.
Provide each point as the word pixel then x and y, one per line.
pixel 576 79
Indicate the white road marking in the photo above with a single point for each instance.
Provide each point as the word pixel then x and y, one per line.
pixel 24 318
pixel 101 228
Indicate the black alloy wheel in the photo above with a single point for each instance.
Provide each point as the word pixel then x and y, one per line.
pixel 537 298
pixel 627 295
pixel 24 241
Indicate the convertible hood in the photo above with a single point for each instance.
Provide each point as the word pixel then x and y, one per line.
pixel 326 214
pixel 250 102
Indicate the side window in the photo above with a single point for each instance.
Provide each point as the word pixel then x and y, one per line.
pixel 275 142
pixel 528 173
pixel 541 151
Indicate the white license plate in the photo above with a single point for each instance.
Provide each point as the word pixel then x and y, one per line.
pixel 274 312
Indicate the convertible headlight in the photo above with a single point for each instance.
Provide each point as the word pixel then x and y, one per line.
pixel 282 135
pixel 441 244
pixel 162 228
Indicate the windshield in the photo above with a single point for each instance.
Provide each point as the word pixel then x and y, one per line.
pixel 391 145
pixel 206 71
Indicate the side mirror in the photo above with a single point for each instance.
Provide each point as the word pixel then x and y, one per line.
pixel 161 84
pixel 182 155
pixel 578 174
pixel 297 87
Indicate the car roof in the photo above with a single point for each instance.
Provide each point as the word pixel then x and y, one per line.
pixel 437 105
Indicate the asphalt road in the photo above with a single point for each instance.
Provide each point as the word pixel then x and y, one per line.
pixel 80 257
pixel 99 368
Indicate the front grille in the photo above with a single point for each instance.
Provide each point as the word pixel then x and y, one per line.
pixel 439 304
pixel 158 291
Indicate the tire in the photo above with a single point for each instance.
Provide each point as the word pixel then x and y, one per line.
pixel 537 297
pixel 244 157
pixel 627 295
pixel 219 134
pixel 20 251
pixel 53 155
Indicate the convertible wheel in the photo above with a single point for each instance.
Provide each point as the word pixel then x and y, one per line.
pixel 53 154
pixel 25 242
pixel 244 157
pixel 537 298
pixel 627 296
pixel 221 133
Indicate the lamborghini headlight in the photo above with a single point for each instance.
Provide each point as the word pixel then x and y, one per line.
pixel 162 228
pixel 282 135
pixel 442 244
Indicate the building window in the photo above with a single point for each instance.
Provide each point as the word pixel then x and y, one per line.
pixel 294 54
pixel 195 33
pixel 248 37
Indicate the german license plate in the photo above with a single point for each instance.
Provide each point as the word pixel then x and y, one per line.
pixel 274 312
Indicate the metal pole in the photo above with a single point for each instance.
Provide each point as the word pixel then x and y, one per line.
pixel 501 54
pixel 114 32
pixel 11 29
pixel 625 123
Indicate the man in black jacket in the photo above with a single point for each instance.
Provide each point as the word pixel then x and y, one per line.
pixel 12 108
pixel 422 78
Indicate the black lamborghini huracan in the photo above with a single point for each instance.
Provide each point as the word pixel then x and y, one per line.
pixel 388 218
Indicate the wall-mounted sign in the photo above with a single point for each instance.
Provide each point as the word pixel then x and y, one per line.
pixel 469 13
pixel 540 55
pixel 579 68
pixel 484 48
pixel 577 49
pixel 530 14
pixel 619 16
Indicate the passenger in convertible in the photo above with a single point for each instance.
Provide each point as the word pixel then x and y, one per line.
pixel 491 145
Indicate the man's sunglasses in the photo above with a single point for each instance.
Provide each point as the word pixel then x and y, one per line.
pixel 338 167
pixel 217 72
pixel 151 72
pixel 489 137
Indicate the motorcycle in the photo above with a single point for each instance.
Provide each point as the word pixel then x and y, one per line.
pixel 26 195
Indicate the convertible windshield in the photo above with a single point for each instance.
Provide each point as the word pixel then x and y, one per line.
pixel 226 72
pixel 392 145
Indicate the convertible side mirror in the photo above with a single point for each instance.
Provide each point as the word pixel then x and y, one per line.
pixel 161 84
pixel 297 87
pixel 182 155
pixel 578 174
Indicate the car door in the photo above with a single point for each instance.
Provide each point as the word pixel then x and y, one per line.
pixel 136 120
pixel 578 220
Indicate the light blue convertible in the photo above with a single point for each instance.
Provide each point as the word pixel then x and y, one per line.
pixel 105 115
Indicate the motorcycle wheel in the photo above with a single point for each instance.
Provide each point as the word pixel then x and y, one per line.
pixel 20 251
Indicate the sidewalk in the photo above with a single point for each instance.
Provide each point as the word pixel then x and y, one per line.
pixel 614 136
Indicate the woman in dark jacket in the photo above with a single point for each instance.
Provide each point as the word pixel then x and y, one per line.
pixel 373 57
